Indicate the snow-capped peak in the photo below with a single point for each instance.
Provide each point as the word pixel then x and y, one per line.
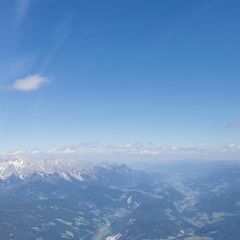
pixel 23 167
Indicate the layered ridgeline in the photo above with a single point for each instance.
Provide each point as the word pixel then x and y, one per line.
pixel 71 199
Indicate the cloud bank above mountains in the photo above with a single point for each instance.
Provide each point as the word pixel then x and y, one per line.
pixel 127 152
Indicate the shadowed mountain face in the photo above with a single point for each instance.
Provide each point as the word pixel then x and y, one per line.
pixel 115 202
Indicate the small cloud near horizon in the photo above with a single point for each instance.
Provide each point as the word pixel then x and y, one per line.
pixel 234 123
pixel 29 83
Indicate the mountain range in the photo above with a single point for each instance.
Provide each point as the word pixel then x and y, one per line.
pixel 46 200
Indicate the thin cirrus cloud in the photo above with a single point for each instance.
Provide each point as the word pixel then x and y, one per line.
pixel 22 9
pixel 27 84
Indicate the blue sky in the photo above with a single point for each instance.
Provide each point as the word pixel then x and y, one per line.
pixel 160 72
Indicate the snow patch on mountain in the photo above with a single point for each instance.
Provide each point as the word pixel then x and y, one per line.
pixel 115 237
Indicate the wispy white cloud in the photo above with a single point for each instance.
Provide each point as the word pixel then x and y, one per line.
pixel 26 84
pixel 30 83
